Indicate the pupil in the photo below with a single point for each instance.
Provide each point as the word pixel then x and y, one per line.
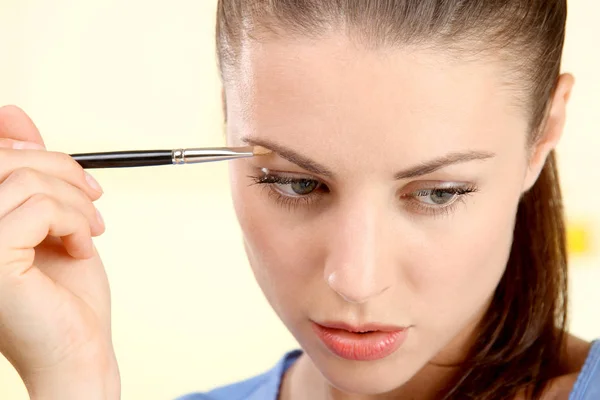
pixel 441 196
pixel 303 186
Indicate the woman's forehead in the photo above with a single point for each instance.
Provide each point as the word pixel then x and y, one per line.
pixel 341 93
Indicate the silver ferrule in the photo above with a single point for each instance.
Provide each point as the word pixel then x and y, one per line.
pixel 192 156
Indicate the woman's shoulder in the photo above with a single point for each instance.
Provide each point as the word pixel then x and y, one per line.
pixel 246 389
pixel 581 377
pixel 577 352
pixel 261 387
pixel 580 380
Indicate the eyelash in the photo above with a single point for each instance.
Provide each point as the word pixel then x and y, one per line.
pixel 460 193
pixel 292 202
pixel 269 181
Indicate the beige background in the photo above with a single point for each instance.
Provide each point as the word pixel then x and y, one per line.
pixel 106 75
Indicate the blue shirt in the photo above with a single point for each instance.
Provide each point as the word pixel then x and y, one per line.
pixel 266 386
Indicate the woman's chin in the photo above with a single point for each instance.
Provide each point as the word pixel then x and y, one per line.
pixel 367 384
pixel 363 377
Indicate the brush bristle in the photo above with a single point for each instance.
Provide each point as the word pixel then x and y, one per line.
pixel 261 151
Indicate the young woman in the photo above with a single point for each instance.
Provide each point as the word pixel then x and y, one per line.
pixel 407 227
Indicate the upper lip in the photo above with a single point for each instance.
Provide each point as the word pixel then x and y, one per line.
pixel 368 327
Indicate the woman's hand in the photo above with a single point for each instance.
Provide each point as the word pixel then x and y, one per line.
pixel 54 295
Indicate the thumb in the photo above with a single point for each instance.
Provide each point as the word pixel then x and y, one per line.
pixel 15 124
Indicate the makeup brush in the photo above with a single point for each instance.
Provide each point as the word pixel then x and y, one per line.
pixel 147 158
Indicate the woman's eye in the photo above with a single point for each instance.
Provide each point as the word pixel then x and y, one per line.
pixel 290 191
pixel 291 186
pixel 437 197
pixel 298 187
pixel 297 191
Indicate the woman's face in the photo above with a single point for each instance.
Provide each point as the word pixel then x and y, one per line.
pixel 388 203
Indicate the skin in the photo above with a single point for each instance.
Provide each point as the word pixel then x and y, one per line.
pixel 364 248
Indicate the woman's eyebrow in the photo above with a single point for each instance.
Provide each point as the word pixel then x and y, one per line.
pixel 442 162
pixel 291 155
pixel 424 168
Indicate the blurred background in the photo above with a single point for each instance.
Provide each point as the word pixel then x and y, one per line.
pixel 106 75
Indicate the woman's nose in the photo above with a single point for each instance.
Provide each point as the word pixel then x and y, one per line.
pixel 360 263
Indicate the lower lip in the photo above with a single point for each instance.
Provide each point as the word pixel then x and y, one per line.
pixel 369 346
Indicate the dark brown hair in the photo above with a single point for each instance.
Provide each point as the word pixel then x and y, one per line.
pixel 521 338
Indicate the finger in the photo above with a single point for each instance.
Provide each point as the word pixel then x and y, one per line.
pixel 24 183
pixel 20 232
pixel 59 165
pixel 16 124
pixel 20 145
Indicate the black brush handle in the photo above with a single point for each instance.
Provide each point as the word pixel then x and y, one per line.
pixel 123 159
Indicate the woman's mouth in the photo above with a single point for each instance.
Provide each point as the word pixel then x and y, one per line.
pixel 361 343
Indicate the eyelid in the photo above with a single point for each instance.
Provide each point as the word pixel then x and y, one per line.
pixel 436 186
pixel 291 175
pixel 418 185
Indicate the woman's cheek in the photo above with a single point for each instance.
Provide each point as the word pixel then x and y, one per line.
pixel 459 271
pixel 285 253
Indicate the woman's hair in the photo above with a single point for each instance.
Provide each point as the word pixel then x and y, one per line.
pixel 521 340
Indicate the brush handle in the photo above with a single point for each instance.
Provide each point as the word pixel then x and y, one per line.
pixel 123 159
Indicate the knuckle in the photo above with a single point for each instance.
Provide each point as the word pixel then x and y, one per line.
pixel 44 203
pixel 27 177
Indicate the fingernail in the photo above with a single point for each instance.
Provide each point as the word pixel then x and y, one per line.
pixel 92 182
pixel 99 217
pixel 20 145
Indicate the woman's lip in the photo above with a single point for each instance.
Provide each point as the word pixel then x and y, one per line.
pixel 361 328
pixel 378 342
